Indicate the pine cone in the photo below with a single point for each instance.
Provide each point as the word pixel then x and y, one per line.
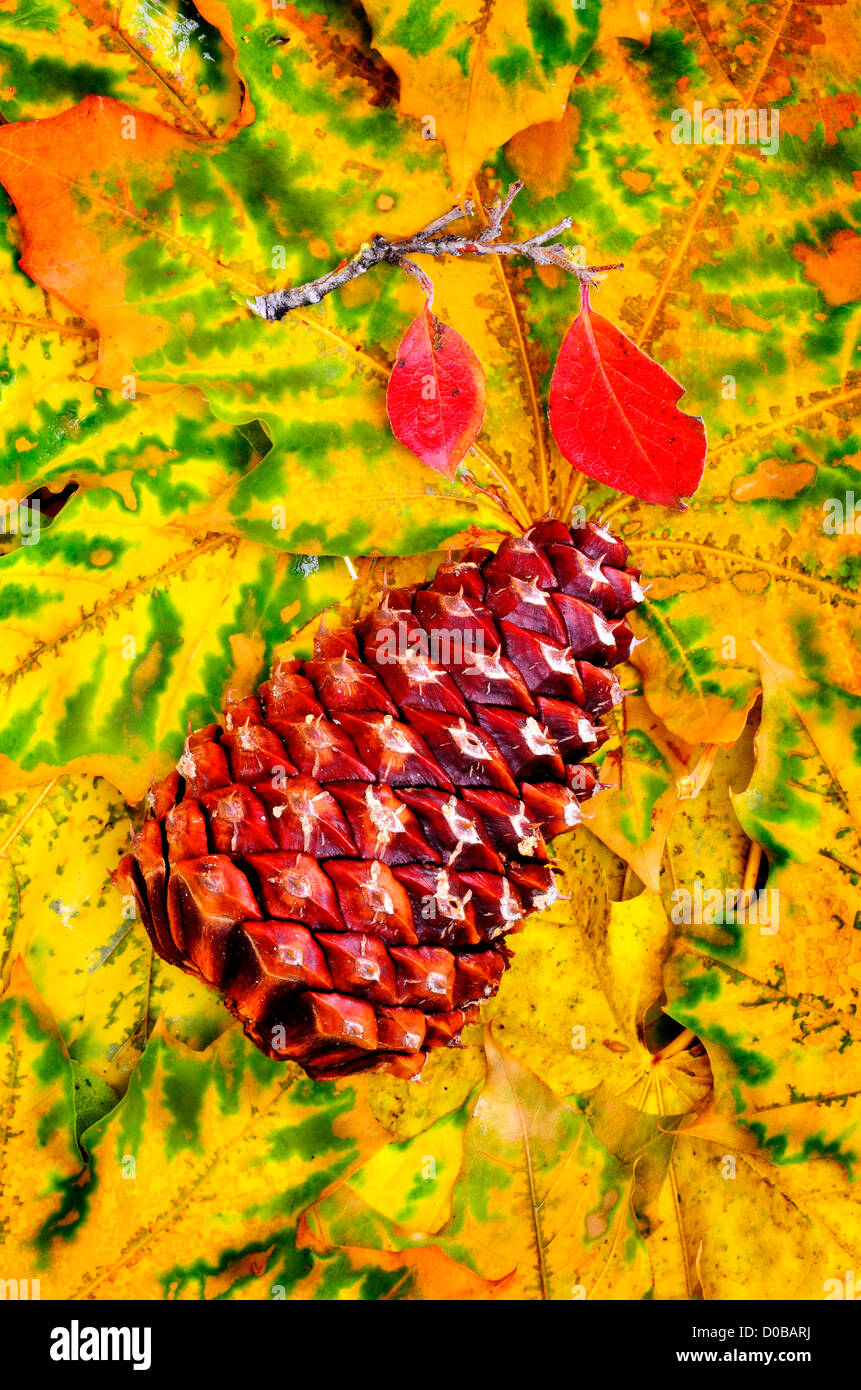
pixel 345 857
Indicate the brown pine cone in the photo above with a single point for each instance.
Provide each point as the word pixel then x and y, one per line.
pixel 344 858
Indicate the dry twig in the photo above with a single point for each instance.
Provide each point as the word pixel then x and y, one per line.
pixel 435 240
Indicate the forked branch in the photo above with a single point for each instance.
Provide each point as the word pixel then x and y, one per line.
pixel 436 240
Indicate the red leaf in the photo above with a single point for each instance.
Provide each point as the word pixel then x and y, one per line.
pixel 613 414
pixel 436 393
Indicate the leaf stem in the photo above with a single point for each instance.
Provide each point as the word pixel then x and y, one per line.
pixel 578 483
pixel 515 496
pixel 494 217
pixel 424 280
pixel 680 1043
pixel 751 868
